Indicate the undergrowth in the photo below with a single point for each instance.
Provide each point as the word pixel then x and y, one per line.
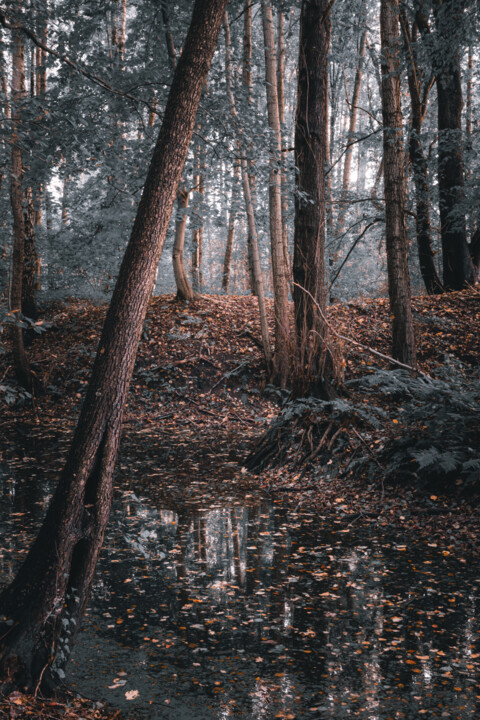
pixel 391 425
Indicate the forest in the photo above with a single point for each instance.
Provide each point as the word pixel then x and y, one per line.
pixel 239 359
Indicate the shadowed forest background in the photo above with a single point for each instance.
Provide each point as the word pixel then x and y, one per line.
pixel 240 250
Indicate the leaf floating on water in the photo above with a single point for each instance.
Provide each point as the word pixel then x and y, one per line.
pixel 117 682
pixel 131 694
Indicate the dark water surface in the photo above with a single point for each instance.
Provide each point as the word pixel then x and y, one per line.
pixel 236 607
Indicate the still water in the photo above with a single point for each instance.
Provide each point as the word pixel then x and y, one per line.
pixel 243 607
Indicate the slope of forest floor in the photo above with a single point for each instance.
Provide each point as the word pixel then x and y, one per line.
pixel 199 402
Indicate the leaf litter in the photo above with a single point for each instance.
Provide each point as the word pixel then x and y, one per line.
pixel 197 404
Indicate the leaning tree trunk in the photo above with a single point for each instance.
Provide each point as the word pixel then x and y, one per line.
pixel 313 366
pixel 403 339
pixel 20 361
pixel 281 359
pixel 45 602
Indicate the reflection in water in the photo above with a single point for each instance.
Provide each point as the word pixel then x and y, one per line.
pixel 248 609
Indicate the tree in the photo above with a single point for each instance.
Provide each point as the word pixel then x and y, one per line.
pixel 20 361
pixel 403 339
pixel 227 262
pixel 444 46
pixel 45 602
pixel 256 270
pixel 313 370
pixel 184 289
pixel 419 88
pixel 279 266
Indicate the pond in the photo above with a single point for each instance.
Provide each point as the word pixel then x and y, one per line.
pixel 247 607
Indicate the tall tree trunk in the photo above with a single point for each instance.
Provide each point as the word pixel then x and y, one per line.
pixel 172 57
pixel 20 361
pixel 469 108
pixel 352 126
pixel 248 89
pixel 46 601
pixel 30 265
pixel 65 184
pixel 281 113
pixel 197 234
pixel 313 366
pixel 458 271
pixel 120 28
pixel 227 262
pixel 418 91
pixel 281 359
pixel 403 339
pixel 184 289
pixel 252 228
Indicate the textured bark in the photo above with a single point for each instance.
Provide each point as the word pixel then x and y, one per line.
pixel 172 56
pixel 457 266
pixel 30 264
pixel 418 90
pixel 458 269
pixel 197 234
pixel 227 262
pixel 258 288
pixel 248 90
pixel 279 268
pixel 281 114
pixel 313 365
pixel 403 339
pixel 184 289
pixel 40 61
pixel 120 31
pixel 53 584
pixel 469 103
pixel 20 361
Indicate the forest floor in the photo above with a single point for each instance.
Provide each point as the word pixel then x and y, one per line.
pixel 199 402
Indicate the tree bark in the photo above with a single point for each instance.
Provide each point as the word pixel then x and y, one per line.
pixel 52 587
pixel 281 114
pixel 20 360
pixel 281 359
pixel 252 227
pixel 30 265
pixel 184 289
pixel 248 89
pixel 403 339
pixel 197 234
pixel 313 366
pixel 458 269
pixel 418 90
pixel 227 262
pixel 172 56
